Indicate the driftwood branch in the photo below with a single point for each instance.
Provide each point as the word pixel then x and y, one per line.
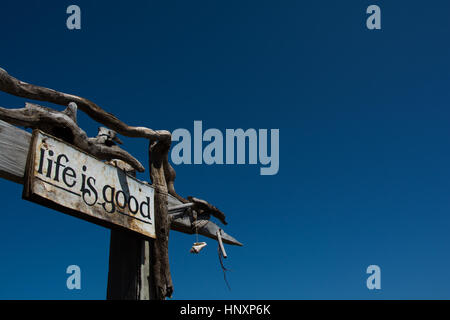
pixel 22 89
pixel 170 175
pixel 158 151
pixel 204 207
pixel 63 125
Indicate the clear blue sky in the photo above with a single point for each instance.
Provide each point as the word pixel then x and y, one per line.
pixel 364 119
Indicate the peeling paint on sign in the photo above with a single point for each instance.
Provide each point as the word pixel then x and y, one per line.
pixel 64 178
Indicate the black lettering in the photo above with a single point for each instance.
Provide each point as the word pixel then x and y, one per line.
pixel 41 161
pixel 146 203
pixel 49 164
pixel 69 172
pixel 88 192
pixel 136 205
pixel 83 180
pixel 58 164
pixel 110 200
pixel 124 199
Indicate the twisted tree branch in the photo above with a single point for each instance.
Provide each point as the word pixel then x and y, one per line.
pixel 22 89
pixel 158 151
pixel 62 125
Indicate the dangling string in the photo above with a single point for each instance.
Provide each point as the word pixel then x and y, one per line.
pixel 194 216
pixel 223 267
pixel 197 224
pixel 196 233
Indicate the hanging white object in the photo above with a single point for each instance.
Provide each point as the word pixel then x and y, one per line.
pixel 197 247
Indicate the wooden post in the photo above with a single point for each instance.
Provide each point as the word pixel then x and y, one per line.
pixel 130 257
pixel 129 267
pixel 158 153
pixel 139 268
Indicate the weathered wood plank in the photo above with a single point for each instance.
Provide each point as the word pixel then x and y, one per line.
pixel 69 180
pixel 14 144
pixel 184 223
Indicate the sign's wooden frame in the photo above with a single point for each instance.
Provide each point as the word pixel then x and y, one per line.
pixel 108 220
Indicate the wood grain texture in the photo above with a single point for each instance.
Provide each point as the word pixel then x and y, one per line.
pixel 14 144
pixel 129 273
pixel 161 275
pixel 124 273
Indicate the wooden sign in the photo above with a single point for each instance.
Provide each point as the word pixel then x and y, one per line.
pixel 62 177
